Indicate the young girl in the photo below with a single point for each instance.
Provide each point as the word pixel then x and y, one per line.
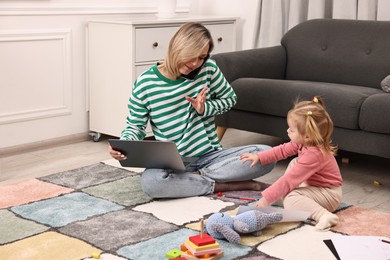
pixel 312 181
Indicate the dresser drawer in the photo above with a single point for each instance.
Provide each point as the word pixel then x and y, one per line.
pixel 152 43
pixel 223 37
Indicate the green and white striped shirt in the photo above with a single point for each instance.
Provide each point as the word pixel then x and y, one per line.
pixel 172 117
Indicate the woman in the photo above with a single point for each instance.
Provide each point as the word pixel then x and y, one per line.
pixel 180 96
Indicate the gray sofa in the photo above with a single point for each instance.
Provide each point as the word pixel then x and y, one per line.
pixel 344 61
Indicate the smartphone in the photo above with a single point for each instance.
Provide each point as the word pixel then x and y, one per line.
pixel 195 72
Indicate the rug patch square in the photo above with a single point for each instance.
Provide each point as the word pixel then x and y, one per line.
pixel 126 191
pixel 49 245
pixel 116 229
pixel 106 256
pixel 13 228
pixel 269 232
pixel 234 196
pixel 87 176
pixel 156 248
pixel 258 256
pixel 28 191
pixel 302 243
pixel 172 210
pixel 357 221
pixel 116 163
pixel 66 209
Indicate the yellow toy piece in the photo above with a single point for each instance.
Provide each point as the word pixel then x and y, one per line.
pixel 201 248
pixel 95 255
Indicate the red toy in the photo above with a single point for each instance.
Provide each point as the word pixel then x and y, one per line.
pixel 201 246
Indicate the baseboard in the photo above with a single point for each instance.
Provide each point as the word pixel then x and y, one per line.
pixel 64 140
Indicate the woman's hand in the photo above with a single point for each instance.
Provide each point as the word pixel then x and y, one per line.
pixel 115 154
pixel 250 157
pixel 198 102
pixel 262 203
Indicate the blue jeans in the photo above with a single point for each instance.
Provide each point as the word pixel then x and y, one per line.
pixel 218 166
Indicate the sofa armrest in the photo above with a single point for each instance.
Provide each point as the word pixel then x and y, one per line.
pixel 267 62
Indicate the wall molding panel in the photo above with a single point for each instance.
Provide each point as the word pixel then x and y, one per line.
pixel 43 88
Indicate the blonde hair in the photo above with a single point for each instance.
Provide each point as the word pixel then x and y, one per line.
pixel 313 121
pixel 186 44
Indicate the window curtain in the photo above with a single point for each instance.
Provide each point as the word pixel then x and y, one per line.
pixel 276 17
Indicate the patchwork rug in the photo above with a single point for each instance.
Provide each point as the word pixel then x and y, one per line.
pixel 101 210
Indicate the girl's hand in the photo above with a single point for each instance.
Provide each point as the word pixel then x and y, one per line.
pixel 115 154
pixel 262 203
pixel 250 157
pixel 198 102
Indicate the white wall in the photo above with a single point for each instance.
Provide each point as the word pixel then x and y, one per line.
pixel 245 10
pixel 43 90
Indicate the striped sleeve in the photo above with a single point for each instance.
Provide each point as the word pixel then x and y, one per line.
pixel 222 94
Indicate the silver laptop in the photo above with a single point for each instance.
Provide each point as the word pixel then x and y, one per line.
pixel 150 154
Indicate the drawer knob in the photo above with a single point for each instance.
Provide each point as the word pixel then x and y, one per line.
pixel 219 39
pixel 155 44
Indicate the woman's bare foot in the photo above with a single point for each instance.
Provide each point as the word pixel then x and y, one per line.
pixel 240 185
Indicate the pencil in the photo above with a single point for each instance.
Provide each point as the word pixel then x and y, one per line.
pixel 385 241
pixel 240 198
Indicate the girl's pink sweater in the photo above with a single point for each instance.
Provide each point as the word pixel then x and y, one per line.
pixel 312 167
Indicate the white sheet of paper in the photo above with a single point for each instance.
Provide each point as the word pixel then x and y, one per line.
pixel 361 247
pixel 288 215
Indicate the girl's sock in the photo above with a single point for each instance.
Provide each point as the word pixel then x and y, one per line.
pixel 326 221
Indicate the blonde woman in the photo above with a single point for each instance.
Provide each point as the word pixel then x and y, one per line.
pixel 180 97
pixel 312 181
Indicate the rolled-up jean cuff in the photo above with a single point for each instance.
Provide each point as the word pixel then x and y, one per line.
pixel 212 182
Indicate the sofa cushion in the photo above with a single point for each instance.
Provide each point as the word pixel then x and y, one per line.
pixel 352 52
pixel 276 97
pixel 374 114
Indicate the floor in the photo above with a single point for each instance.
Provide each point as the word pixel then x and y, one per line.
pixel 366 178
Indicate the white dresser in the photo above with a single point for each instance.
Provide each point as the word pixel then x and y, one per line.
pixel 118 51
